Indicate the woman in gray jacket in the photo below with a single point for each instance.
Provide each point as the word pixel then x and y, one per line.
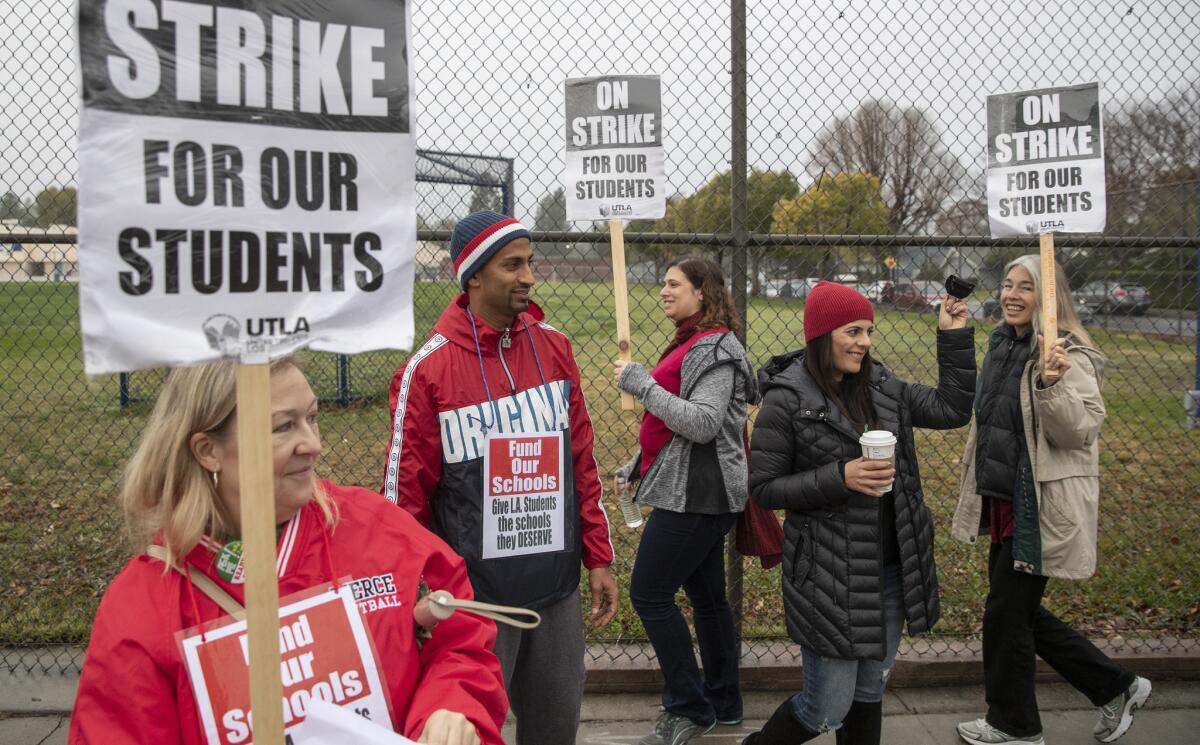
pixel 692 470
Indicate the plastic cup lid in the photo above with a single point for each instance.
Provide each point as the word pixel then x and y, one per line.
pixel 877 437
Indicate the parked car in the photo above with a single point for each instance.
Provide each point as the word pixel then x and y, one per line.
pixel 1115 296
pixel 879 292
pixel 789 288
pixel 919 295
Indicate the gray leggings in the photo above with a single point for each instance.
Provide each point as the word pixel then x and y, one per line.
pixel 543 672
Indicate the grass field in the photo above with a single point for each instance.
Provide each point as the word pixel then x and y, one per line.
pixel 64 439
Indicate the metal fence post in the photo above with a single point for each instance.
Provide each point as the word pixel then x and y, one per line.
pixel 738 217
pixel 508 199
pixel 343 380
pixel 123 383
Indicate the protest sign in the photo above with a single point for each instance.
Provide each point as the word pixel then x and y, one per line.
pixel 325 655
pixel 615 168
pixel 523 511
pixel 246 180
pixel 615 165
pixel 246 189
pixel 1045 162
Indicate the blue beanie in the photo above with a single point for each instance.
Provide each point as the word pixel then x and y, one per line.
pixel 477 237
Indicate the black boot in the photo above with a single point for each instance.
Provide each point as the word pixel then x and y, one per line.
pixel 862 725
pixel 781 729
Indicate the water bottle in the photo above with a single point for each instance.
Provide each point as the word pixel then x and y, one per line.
pixel 629 510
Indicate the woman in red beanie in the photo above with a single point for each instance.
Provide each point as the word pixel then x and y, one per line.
pixel 858 541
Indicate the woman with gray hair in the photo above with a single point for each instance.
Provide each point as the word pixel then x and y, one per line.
pixel 181 493
pixel 1030 482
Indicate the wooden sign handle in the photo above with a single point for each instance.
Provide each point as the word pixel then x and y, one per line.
pixel 621 301
pixel 1049 294
pixel 258 538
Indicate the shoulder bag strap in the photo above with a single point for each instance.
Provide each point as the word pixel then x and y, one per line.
pixel 203 582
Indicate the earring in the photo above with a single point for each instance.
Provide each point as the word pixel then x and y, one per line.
pixel 214 478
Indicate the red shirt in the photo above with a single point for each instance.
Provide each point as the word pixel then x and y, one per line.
pixel 655 434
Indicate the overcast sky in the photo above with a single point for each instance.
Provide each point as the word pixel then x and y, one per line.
pixel 489 75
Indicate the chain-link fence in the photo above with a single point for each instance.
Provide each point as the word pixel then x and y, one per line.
pixel 804 141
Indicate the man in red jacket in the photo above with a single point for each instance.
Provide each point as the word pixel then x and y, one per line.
pixel 491 448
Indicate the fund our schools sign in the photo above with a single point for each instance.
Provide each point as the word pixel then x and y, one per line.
pixel 615 163
pixel 325 654
pixel 246 180
pixel 1046 161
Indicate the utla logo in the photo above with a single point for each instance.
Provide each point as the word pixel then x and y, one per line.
pixel 276 326
pixel 622 209
pixel 1044 226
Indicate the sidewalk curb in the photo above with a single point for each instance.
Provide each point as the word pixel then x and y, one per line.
pixel 775 666
pixel 767 665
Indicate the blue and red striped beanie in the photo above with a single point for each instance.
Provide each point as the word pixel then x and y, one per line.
pixel 477 237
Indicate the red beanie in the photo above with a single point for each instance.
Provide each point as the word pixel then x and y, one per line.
pixel 830 305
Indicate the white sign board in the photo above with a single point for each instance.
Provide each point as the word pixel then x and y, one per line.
pixel 615 164
pixel 1045 162
pixel 523 496
pixel 325 653
pixel 246 180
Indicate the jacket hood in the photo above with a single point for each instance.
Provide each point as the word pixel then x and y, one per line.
pixel 455 325
pixel 726 349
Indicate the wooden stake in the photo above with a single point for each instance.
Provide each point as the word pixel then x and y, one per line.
pixel 1049 294
pixel 258 538
pixel 621 301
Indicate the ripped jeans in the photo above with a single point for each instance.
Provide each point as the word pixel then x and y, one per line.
pixel 831 685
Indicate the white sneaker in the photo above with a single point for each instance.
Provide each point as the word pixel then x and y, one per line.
pixel 1116 717
pixel 979 732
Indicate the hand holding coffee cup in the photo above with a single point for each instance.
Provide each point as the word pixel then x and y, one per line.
pixel 870 477
pixel 878 470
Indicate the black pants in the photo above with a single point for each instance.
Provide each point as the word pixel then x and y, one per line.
pixel 683 549
pixel 1016 628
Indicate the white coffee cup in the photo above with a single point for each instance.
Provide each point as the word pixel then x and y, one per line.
pixel 879 444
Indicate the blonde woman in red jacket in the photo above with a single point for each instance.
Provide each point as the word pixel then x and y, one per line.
pixel 351 560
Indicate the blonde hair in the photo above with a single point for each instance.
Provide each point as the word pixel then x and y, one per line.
pixel 165 487
pixel 1068 317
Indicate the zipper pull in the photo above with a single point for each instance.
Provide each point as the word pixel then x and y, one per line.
pixel 505 341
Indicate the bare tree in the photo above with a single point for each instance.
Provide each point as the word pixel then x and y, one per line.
pixel 903 148
pixel 1152 161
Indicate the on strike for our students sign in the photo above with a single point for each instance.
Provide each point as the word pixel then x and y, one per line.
pixel 615 163
pixel 1045 162
pixel 246 180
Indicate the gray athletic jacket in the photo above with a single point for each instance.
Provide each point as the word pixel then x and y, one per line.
pixel 703 466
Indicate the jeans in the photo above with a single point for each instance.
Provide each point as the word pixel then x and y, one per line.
pixel 1016 628
pixel 543 673
pixel 681 549
pixel 831 685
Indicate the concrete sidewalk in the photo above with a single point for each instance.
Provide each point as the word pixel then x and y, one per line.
pixel 912 716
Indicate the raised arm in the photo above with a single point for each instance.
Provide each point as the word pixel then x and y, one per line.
pixel 698 417
pixel 949 405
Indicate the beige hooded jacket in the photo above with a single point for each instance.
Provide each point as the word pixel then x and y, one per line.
pixel 1062 429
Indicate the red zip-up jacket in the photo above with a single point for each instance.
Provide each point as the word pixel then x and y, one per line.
pixel 439 403
pixel 135 686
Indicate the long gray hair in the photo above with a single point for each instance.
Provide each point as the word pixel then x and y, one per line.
pixel 1068 317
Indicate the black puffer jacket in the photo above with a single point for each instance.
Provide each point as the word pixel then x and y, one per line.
pixel 831 553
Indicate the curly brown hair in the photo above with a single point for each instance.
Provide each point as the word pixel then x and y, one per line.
pixel 716 304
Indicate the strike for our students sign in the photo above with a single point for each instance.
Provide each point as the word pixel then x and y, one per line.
pixel 1046 162
pixel 246 180
pixel 615 163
